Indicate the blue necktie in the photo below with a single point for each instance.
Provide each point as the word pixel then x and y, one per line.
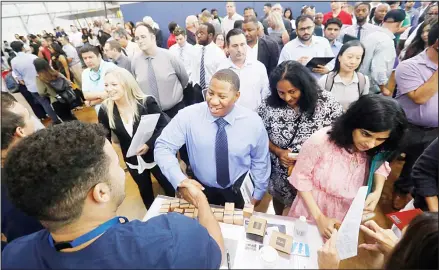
pixel 222 154
pixel 359 32
pixel 202 71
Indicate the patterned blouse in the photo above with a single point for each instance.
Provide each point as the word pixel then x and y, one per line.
pixel 281 124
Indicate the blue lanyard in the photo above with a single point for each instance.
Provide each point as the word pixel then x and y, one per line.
pixel 86 237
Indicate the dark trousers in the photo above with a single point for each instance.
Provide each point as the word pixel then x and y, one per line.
pixel 144 183
pixel 415 142
pixel 219 196
pixel 44 101
pixel 34 104
pixel 63 111
pixel 172 112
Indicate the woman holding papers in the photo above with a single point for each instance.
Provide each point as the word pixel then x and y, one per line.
pixel 334 162
pixel 123 113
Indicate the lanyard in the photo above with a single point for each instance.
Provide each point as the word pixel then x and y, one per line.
pixel 86 237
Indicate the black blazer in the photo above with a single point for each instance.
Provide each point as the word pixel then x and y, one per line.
pixel 150 106
pixel 268 53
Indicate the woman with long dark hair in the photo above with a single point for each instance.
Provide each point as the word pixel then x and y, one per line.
pixel 295 109
pixel 345 82
pixel 129 26
pixel 46 80
pixel 419 42
pixel 334 162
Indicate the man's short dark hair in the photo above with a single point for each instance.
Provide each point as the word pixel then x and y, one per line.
pixel 363 4
pixel 303 18
pixel 89 48
pixel 150 30
pixel 210 28
pixel 10 121
pixel 17 46
pixel 238 24
pixel 179 31
pixel 233 32
pixel 433 35
pixel 252 19
pixel 32 36
pixel 49 173
pixel 228 75
pixel 248 8
pixel 203 9
pixel 114 44
pixel 267 5
pixel 333 21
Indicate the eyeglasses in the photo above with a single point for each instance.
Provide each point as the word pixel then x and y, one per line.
pixel 309 28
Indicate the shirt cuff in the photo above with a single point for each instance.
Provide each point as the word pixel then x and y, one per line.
pixel 258 194
pixel 176 176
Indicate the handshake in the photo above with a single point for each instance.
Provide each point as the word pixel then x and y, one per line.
pixel 192 191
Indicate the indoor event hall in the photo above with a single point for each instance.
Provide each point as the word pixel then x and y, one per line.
pixel 219 135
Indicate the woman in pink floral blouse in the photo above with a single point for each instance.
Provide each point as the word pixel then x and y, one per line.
pixel 334 162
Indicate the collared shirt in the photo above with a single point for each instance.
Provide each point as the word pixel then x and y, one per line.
pixel 97 84
pixel 172 241
pixel 195 126
pixel 23 67
pixel 227 24
pixel 366 30
pixel 379 58
pixel 295 49
pixel 131 49
pixel 345 93
pixel 123 62
pixel 71 53
pixel 213 56
pixel 186 54
pixel 169 72
pixel 253 52
pixel 335 47
pixel 343 16
pixel 76 39
pixel 372 21
pixel 410 75
pixel 253 81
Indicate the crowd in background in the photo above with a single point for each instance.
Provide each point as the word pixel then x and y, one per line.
pixel 346 92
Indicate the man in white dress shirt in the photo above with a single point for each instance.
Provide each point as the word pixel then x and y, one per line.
pixel 129 48
pixel 306 46
pixel 208 53
pixel 76 37
pixel 183 50
pixel 232 16
pixel 362 28
pixel 252 74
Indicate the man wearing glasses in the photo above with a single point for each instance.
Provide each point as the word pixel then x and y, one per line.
pixel 158 72
pixel 93 76
pixel 306 46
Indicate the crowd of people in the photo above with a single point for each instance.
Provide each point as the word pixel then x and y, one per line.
pixel 234 95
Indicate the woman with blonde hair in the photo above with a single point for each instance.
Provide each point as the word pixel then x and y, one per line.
pixel 121 113
pixel 277 29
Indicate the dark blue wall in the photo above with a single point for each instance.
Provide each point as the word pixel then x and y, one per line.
pixel 165 12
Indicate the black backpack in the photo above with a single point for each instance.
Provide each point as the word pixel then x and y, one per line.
pixel 63 90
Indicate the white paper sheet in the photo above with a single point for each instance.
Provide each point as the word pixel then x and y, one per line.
pixel 144 132
pixel 247 188
pixel 347 240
